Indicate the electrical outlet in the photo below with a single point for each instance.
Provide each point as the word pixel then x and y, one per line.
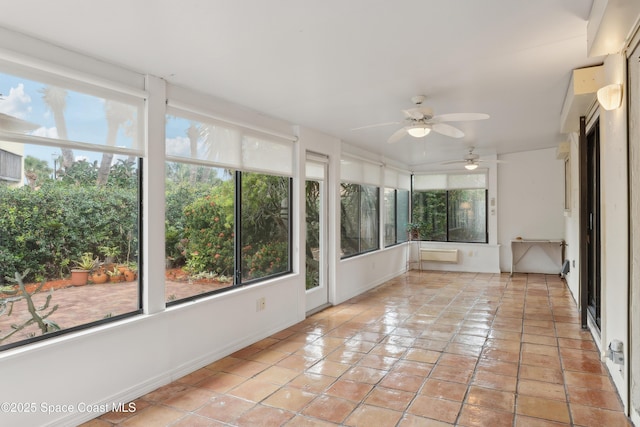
pixel 261 304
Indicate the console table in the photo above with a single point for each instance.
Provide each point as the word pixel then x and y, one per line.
pixel 520 247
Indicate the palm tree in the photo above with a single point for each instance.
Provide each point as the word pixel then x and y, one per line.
pixel 193 132
pixel 117 115
pixel 55 98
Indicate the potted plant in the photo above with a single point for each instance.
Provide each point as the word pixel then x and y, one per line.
pixel 115 275
pixel 98 276
pixel 414 230
pixel 80 274
pixel 110 253
pixel 131 273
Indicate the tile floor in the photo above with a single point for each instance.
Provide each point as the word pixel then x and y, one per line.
pixel 424 349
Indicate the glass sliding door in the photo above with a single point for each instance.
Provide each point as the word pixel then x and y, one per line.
pixel 317 293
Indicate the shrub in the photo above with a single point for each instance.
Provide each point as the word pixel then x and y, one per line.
pixel 42 230
pixel 209 234
pixel 268 259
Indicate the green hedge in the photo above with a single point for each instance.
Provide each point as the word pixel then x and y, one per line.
pixel 45 230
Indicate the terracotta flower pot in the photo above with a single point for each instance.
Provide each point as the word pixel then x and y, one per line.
pixel 79 277
pixel 130 276
pixel 99 277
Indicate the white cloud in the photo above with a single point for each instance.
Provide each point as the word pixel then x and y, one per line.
pixel 178 146
pixel 16 103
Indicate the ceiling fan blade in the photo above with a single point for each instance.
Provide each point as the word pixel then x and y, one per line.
pixel 397 135
pixel 491 161
pixel 459 117
pixel 447 130
pixel 376 125
pixel 413 113
pixel 453 162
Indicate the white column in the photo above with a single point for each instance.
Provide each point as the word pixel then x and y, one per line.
pixel 153 205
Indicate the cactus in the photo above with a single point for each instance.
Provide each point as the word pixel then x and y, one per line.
pixel 6 306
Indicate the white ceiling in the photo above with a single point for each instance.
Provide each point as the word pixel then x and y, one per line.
pixel 333 65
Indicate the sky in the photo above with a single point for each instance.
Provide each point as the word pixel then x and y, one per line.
pixel 85 120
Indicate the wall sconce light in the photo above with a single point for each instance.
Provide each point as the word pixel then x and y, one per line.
pixel 610 96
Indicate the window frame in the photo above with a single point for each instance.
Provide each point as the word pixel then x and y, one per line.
pixel 397 239
pixel 360 251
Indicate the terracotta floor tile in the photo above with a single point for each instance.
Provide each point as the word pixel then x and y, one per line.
pixel 546 390
pixel 329 368
pixel 431 344
pixel 154 416
pixel 451 373
pixel 264 416
pixel 422 355
pixel 221 382
pixel 428 349
pixel 366 415
pixel 490 398
pixel 444 390
pixel 595 417
pixel 494 381
pixel 253 390
pixel 588 380
pixel 246 368
pixel 504 345
pixel 192 420
pixel 289 398
pixel 497 367
pixel 225 408
pixel 546 350
pixel 577 344
pixel 542 360
pixel 540 339
pixel 314 383
pixel 409 367
pixel 584 364
pixel 364 375
pixel 297 363
pixel 196 377
pixel 377 362
pixel 410 383
pixel 190 399
pixel 596 398
pixel 542 408
pixel 277 375
pixel 468 362
pixel 524 421
pixel 437 409
pixel 397 400
pixel 349 390
pixel 537 373
pixel 410 420
pixel 477 416
pixel 329 408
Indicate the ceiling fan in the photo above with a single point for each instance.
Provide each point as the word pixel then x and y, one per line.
pixel 420 122
pixel 471 161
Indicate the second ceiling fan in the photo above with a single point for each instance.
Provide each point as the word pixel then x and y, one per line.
pixel 420 121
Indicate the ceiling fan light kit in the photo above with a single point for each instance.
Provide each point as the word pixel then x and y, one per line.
pixel 471 165
pixel 419 131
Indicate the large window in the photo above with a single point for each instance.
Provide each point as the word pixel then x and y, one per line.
pixel 450 207
pixel 359 219
pixel 396 216
pixel 69 206
pixel 228 193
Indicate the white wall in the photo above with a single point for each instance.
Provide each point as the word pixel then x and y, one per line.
pixel 531 199
pixel 614 223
